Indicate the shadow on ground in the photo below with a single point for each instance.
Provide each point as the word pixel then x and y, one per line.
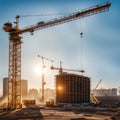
pixel 18 114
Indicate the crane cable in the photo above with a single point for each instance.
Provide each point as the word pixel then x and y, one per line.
pixel 81 40
pixel 43 15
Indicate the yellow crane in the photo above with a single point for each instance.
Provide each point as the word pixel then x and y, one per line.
pixel 15 41
pixel 43 67
pixel 61 69
pixel 94 98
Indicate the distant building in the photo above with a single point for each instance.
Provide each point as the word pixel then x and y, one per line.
pixel 48 93
pixel 5 87
pixel 33 92
pixel 72 88
pixel 105 92
pixel 24 87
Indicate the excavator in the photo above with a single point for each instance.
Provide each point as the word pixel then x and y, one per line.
pixel 94 98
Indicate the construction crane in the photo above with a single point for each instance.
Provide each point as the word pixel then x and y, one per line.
pixel 94 98
pixel 43 67
pixel 15 41
pixel 61 69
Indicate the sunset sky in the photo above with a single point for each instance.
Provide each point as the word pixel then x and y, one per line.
pixel 101 40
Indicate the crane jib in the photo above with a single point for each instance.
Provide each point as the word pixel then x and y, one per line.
pixel 74 16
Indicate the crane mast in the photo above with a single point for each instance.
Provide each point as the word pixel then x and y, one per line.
pixel 14 73
pixel 43 66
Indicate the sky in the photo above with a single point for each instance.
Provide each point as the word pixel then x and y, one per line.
pixel 100 43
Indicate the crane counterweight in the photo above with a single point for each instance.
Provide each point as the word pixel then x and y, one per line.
pixel 8 27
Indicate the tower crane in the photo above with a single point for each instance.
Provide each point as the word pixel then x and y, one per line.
pixel 15 41
pixel 61 69
pixel 43 66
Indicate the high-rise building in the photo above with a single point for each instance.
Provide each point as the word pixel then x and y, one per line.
pixel 24 87
pixel 72 88
pixel 5 87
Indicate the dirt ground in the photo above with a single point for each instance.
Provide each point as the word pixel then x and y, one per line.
pixel 54 113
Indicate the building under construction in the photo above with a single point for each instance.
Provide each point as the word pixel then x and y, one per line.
pixel 72 88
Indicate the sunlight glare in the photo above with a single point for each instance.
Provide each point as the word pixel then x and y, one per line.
pixel 38 70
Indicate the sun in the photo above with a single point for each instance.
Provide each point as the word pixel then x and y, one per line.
pixel 39 70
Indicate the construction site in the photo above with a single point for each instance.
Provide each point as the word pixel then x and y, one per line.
pixel 72 98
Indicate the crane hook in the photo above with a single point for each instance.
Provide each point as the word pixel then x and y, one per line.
pixel 81 34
